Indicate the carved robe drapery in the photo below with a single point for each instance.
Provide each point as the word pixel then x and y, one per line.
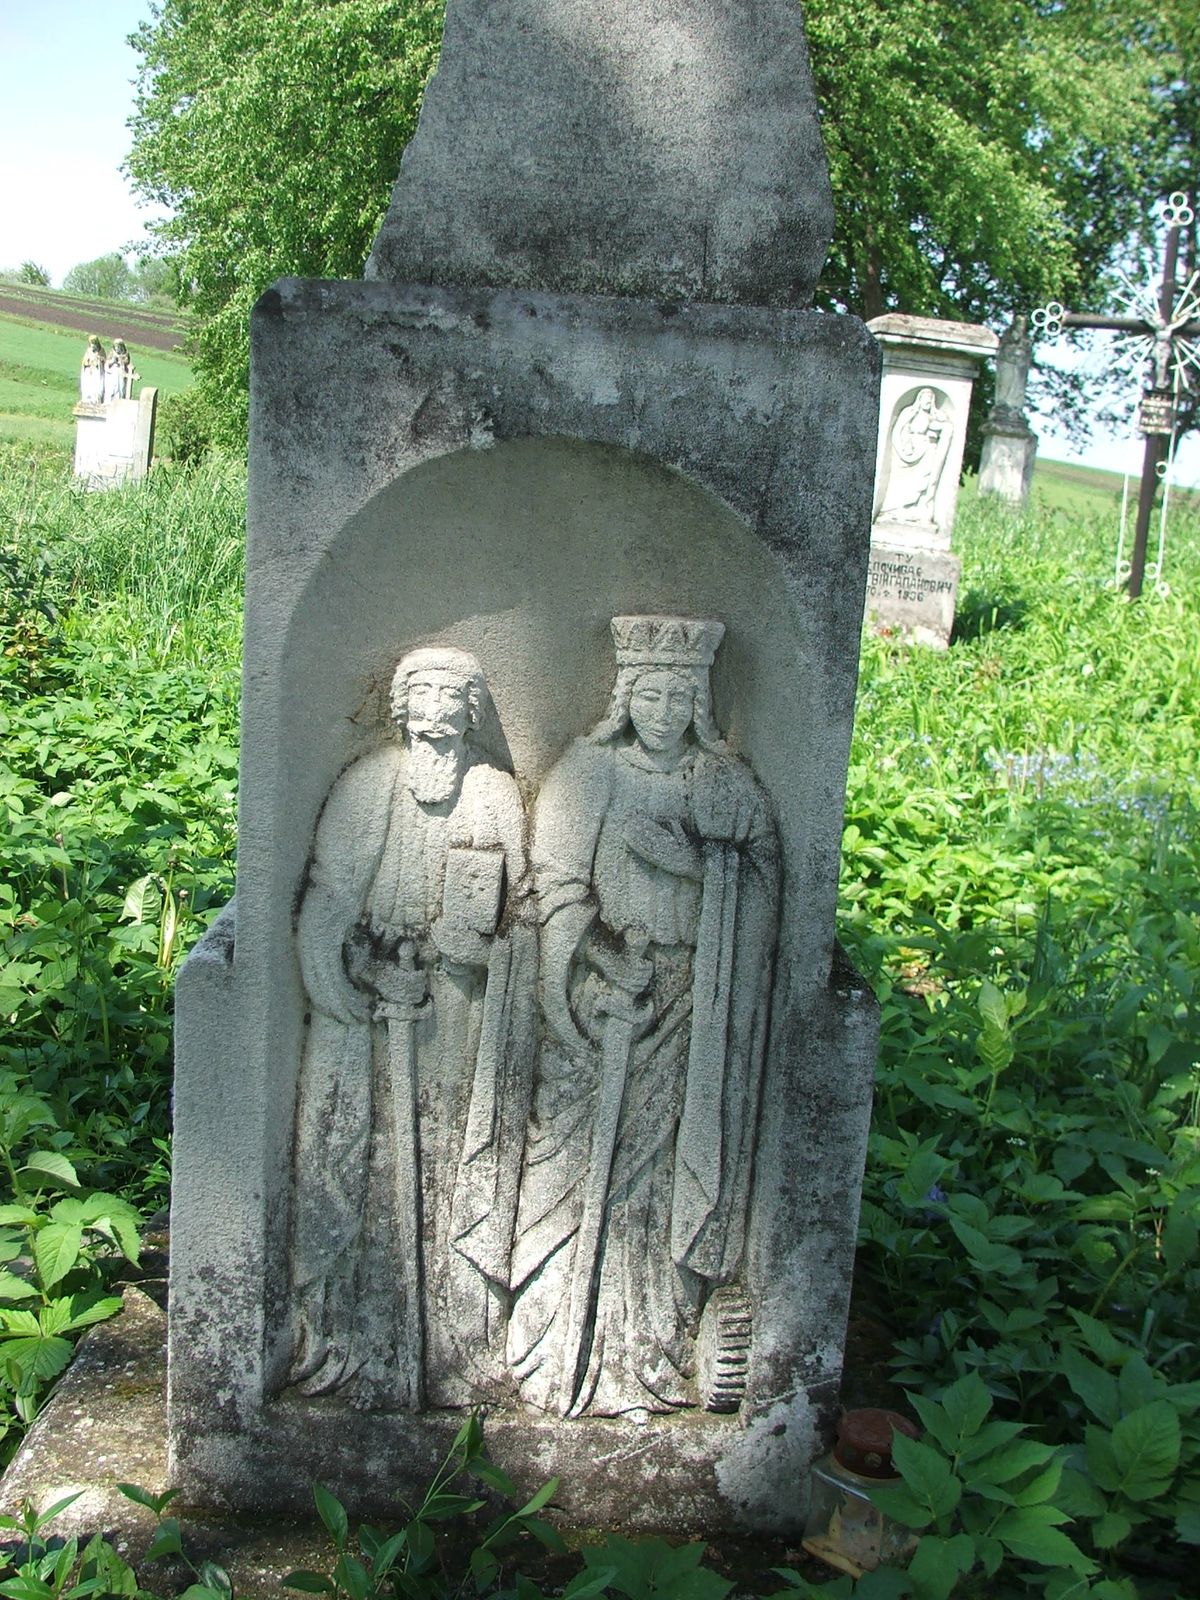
pixel 920 442
pixel 620 862
pixel 409 1125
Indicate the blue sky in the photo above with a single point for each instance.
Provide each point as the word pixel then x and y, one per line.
pixel 67 95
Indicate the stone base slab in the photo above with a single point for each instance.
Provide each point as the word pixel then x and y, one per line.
pixel 1006 467
pixel 912 593
pixel 115 442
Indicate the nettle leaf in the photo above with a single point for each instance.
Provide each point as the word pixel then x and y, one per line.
pixel 36 1358
pixel 1145 1447
pixel 18 1216
pixel 56 1251
pixel 14 1288
pixel 1033 1534
pixel 937 1565
pixel 53 1165
pixel 927 1475
pixel 1187 1525
pixel 992 1007
pixel 967 1404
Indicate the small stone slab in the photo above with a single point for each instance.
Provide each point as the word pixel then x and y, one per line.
pixel 666 149
pixel 912 592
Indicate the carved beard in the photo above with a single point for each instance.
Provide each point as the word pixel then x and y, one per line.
pixel 434 770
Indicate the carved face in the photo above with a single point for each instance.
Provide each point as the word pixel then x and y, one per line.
pixel 438 705
pixel 661 708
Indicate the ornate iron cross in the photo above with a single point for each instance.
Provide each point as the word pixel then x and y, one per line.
pixel 1159 328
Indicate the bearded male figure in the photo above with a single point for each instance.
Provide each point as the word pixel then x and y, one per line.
pixel 656 874
pixel 414 1086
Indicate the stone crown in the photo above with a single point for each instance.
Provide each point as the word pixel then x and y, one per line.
pixel 666 641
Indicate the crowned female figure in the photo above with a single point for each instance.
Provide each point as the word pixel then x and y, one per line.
pixel 656 875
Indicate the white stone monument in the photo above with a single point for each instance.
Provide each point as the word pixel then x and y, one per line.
pixel 929 369
pixel 114 433
pixel 527 1073
pixel 1009 443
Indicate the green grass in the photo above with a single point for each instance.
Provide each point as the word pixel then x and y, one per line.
pixel 39 379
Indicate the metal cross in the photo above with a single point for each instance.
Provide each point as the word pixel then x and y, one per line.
pixel 1159 332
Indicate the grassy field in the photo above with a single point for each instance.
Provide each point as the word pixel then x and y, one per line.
pixel 1064 486
pixel 39 376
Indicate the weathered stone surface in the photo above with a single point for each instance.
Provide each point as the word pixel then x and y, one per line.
pixel 1007 462
pixel 929 369
pixel 527 1073
pixel 107 1424
pixel 1009 443
pixel 552 509
pixel 668 149
pixel 114 442
pixel 912 593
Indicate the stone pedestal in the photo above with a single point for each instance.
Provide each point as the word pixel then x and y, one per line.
pixel 527 1073
pixel 929 369
pixel 114 442
pixel 1009 453
pixel 911 592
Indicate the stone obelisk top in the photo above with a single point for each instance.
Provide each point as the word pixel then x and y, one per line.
pixel 661 149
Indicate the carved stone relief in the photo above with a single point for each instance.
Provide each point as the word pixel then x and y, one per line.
pixel 119 376
pixel 419 966
pixel 91 372
pixel 499 1199
pixel 920 439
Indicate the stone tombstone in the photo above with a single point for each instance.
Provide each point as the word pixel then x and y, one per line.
pixel 1009 443
pixel 114 433
pixel 525 1072
pixel 929 370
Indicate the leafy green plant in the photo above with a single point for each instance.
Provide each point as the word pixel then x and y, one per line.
pixel 60 1251
pixel 212 1582
pixel 56 1569
pixel 416 1563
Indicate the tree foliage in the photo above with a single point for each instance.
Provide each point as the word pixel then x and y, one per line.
pixel 984 157
pixel 106 278
pixel 273 130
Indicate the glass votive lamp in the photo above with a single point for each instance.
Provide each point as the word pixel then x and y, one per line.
pixel 844 1529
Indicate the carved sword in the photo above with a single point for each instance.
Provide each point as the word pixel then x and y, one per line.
pixel 616 1051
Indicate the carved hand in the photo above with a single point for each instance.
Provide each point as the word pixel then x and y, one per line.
pixel 399 981
pixel 461 945
pixel 664 845
pixel 722 806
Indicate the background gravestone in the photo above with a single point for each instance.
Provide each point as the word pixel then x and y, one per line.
pixel 929 369
pixel 114 433
pixel 526 1069
pixel 1009 443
